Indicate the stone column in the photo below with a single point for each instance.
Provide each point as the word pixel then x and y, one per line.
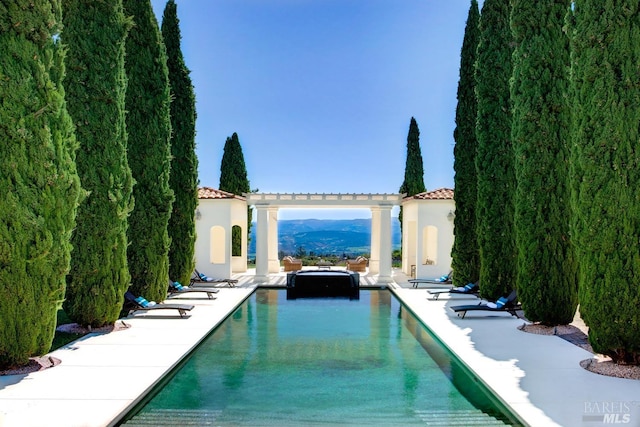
pixel 380 262
pixel 374 259
pixel 384 271
pixel 274 262
pixel 262 243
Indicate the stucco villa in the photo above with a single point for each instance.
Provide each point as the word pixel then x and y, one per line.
pixel 426 242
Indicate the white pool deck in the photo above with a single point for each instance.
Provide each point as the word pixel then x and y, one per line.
pixel 103 375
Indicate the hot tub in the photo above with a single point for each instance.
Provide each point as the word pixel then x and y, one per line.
pixel 323 283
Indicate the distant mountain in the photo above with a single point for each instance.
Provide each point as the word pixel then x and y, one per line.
pixel 326 236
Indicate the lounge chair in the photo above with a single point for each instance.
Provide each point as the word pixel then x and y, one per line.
pixel 198 277
pixel 447 279
pixel 507 304
pixel 141 304
pixel 359 264
pixel 468 289
pixel 291 264
pixel 175 288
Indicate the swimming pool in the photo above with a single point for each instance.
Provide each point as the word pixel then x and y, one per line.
pixel 319 361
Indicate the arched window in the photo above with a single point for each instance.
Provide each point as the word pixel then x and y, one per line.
pixel 218 247
pixel 236 240
pixel 430 245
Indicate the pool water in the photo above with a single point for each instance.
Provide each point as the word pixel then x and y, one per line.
pixel 315 361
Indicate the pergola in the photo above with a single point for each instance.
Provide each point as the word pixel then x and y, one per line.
pixel 427 232
pixel 267 206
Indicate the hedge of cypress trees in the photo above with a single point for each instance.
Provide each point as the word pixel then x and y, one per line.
pixel 413 170
pixel 494 159
pixel 95 33
pixel 38 178
pixel 465 258
pixel 606 173
pixel 184 163
pixel 546 270
pixel 233 179
pixel 149 127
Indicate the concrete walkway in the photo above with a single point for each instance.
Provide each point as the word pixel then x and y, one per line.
pixel 103 375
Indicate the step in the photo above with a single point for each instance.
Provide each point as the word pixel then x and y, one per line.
pixel 200 417
pixel 471 417
pixel 175 417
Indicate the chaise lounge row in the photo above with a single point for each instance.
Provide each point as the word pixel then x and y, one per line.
pixel 507 303
pixel 139 303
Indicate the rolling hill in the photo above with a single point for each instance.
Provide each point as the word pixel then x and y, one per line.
pixel 326 237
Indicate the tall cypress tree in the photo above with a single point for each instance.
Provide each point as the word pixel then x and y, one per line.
pixel 38 178
pixel 184 163
pixel 494 157
pixel 96 84
pixel 465 258
pixel 149 127
pixel 413 170
pixel 606 173
pixel 233 179
pixel 546 273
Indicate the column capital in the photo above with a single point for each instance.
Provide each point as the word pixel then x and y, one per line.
pixel 381 208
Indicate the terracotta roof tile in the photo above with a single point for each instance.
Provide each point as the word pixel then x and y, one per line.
pixel 439 194
pixel 212 193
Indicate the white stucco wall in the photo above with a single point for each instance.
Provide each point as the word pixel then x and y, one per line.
pixel 217 217
pixel 427 233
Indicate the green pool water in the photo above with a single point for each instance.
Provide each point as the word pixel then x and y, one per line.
pixel 308 362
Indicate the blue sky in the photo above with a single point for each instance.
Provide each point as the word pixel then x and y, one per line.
pixel 321 92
